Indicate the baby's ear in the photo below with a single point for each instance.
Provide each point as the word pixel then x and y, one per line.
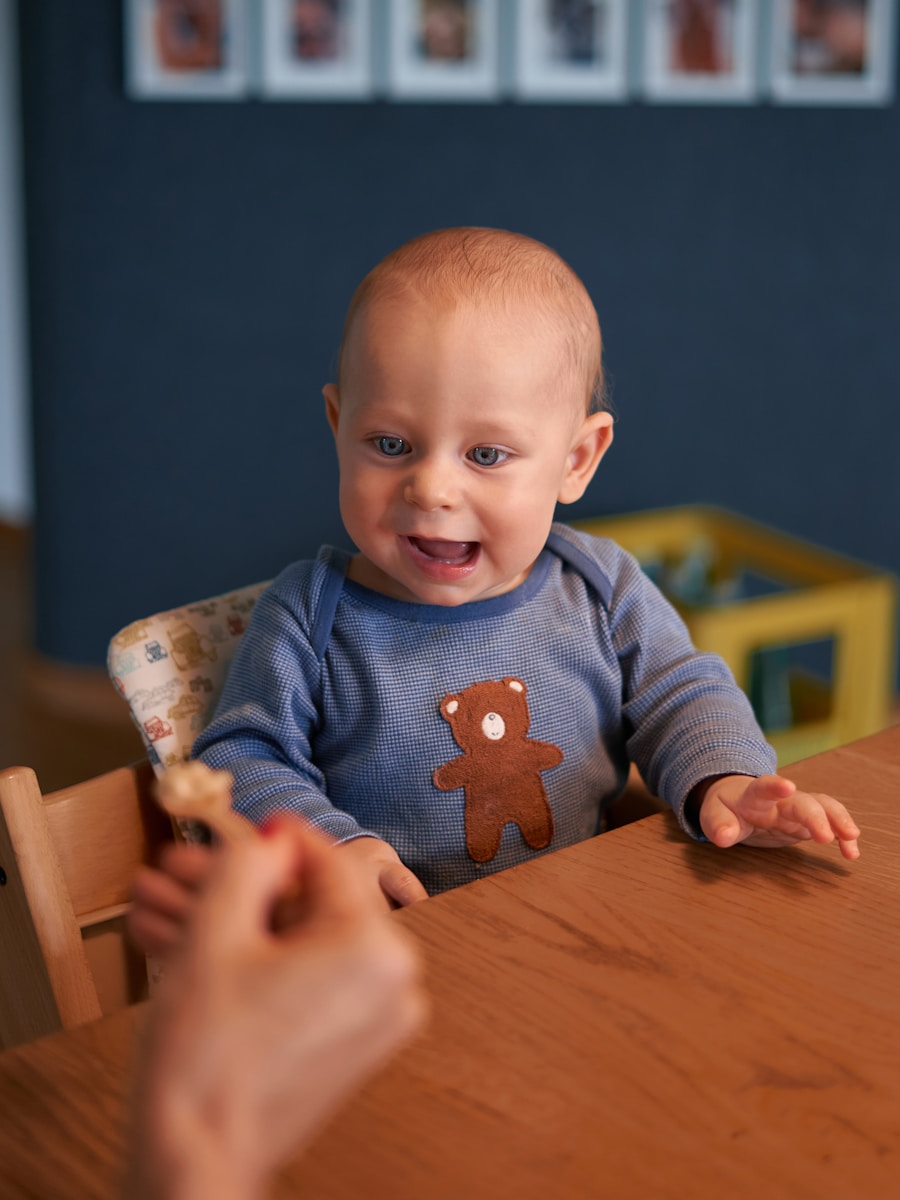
pixel 332 405
pixel 589 445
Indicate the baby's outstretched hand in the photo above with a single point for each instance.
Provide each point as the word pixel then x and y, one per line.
pixel 770 812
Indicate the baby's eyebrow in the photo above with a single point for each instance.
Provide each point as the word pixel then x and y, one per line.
pixel 512 432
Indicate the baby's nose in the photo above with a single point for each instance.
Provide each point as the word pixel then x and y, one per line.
pixel 431 485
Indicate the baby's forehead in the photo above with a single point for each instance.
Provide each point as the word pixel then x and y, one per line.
pixel 512 315
pixel 515 344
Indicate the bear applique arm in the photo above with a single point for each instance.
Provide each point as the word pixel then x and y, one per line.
pixel 545 755
pixel 453 774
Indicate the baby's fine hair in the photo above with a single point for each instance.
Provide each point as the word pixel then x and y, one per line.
pixel 472 265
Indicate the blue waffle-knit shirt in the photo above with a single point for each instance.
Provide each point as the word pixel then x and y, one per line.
pixel 332 705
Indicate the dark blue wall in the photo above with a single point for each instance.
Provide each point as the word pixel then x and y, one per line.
pixel 190 265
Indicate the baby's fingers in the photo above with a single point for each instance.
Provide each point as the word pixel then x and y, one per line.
pixel 720 824
pixel 824 818
pixel 760 795
pixel 401 886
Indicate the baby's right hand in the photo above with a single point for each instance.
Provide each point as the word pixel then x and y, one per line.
pixel 388 882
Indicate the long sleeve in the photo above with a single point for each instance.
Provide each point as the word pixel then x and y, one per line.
pixel 686 718
pixel 267 717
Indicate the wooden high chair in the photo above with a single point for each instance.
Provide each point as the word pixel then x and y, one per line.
pixel 68 859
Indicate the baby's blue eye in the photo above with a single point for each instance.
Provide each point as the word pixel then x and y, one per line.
pixel 393 447
pixel 486 456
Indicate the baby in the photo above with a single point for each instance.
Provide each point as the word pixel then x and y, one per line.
pixel 468 688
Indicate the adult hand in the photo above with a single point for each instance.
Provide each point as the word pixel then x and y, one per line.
pixel 255 1036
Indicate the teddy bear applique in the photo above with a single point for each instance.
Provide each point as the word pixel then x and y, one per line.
pixel 500 767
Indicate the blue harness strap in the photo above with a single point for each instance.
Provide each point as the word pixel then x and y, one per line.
pixel 326 606
pixel 585 566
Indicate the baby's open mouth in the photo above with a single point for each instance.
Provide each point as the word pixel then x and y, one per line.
pixel 455 554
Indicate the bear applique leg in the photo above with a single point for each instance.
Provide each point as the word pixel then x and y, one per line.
pixel 537 826
pixel 482 834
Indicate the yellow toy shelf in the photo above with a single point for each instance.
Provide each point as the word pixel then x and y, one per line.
pixel 703 557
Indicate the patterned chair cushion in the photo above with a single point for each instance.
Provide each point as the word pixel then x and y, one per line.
pixel 170 669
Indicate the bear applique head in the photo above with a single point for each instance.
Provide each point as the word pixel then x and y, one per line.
pixel 488 711
pixel 500 768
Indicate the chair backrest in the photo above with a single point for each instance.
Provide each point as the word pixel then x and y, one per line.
pixel 67 859
pixel 67 862
pixel 170 669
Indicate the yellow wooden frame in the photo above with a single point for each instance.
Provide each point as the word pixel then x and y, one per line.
pixel 829 595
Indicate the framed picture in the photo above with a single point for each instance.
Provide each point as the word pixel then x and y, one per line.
pixel 700 50
pixel 833 53
pixel 186 49
pixel 317 49
pixel 571 50
pixel 443 50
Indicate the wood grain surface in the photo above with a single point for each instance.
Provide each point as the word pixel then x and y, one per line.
pixel 636 1016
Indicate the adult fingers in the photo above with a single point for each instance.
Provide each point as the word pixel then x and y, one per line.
pixel 157 890
pixel 333 889
pixel 187 862
pixel 244 885
pixel 153 932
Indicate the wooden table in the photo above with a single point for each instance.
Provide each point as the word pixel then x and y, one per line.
pixel 637 1016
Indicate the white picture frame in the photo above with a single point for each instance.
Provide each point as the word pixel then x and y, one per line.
pixel 186 49
pixel 827 63
pixel 443 50
pixel 701 51
pixel 331 60
pixel 571 51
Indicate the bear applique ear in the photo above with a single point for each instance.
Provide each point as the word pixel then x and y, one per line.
pixel 516 684
pixel 449 705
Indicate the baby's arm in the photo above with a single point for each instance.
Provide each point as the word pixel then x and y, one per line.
pixel 693 734
pixel 263 734
pixel 769 811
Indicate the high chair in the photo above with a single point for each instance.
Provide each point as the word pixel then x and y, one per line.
pixel 67 859
pixel 170 669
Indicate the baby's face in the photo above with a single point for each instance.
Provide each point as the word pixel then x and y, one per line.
pixel 457 432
